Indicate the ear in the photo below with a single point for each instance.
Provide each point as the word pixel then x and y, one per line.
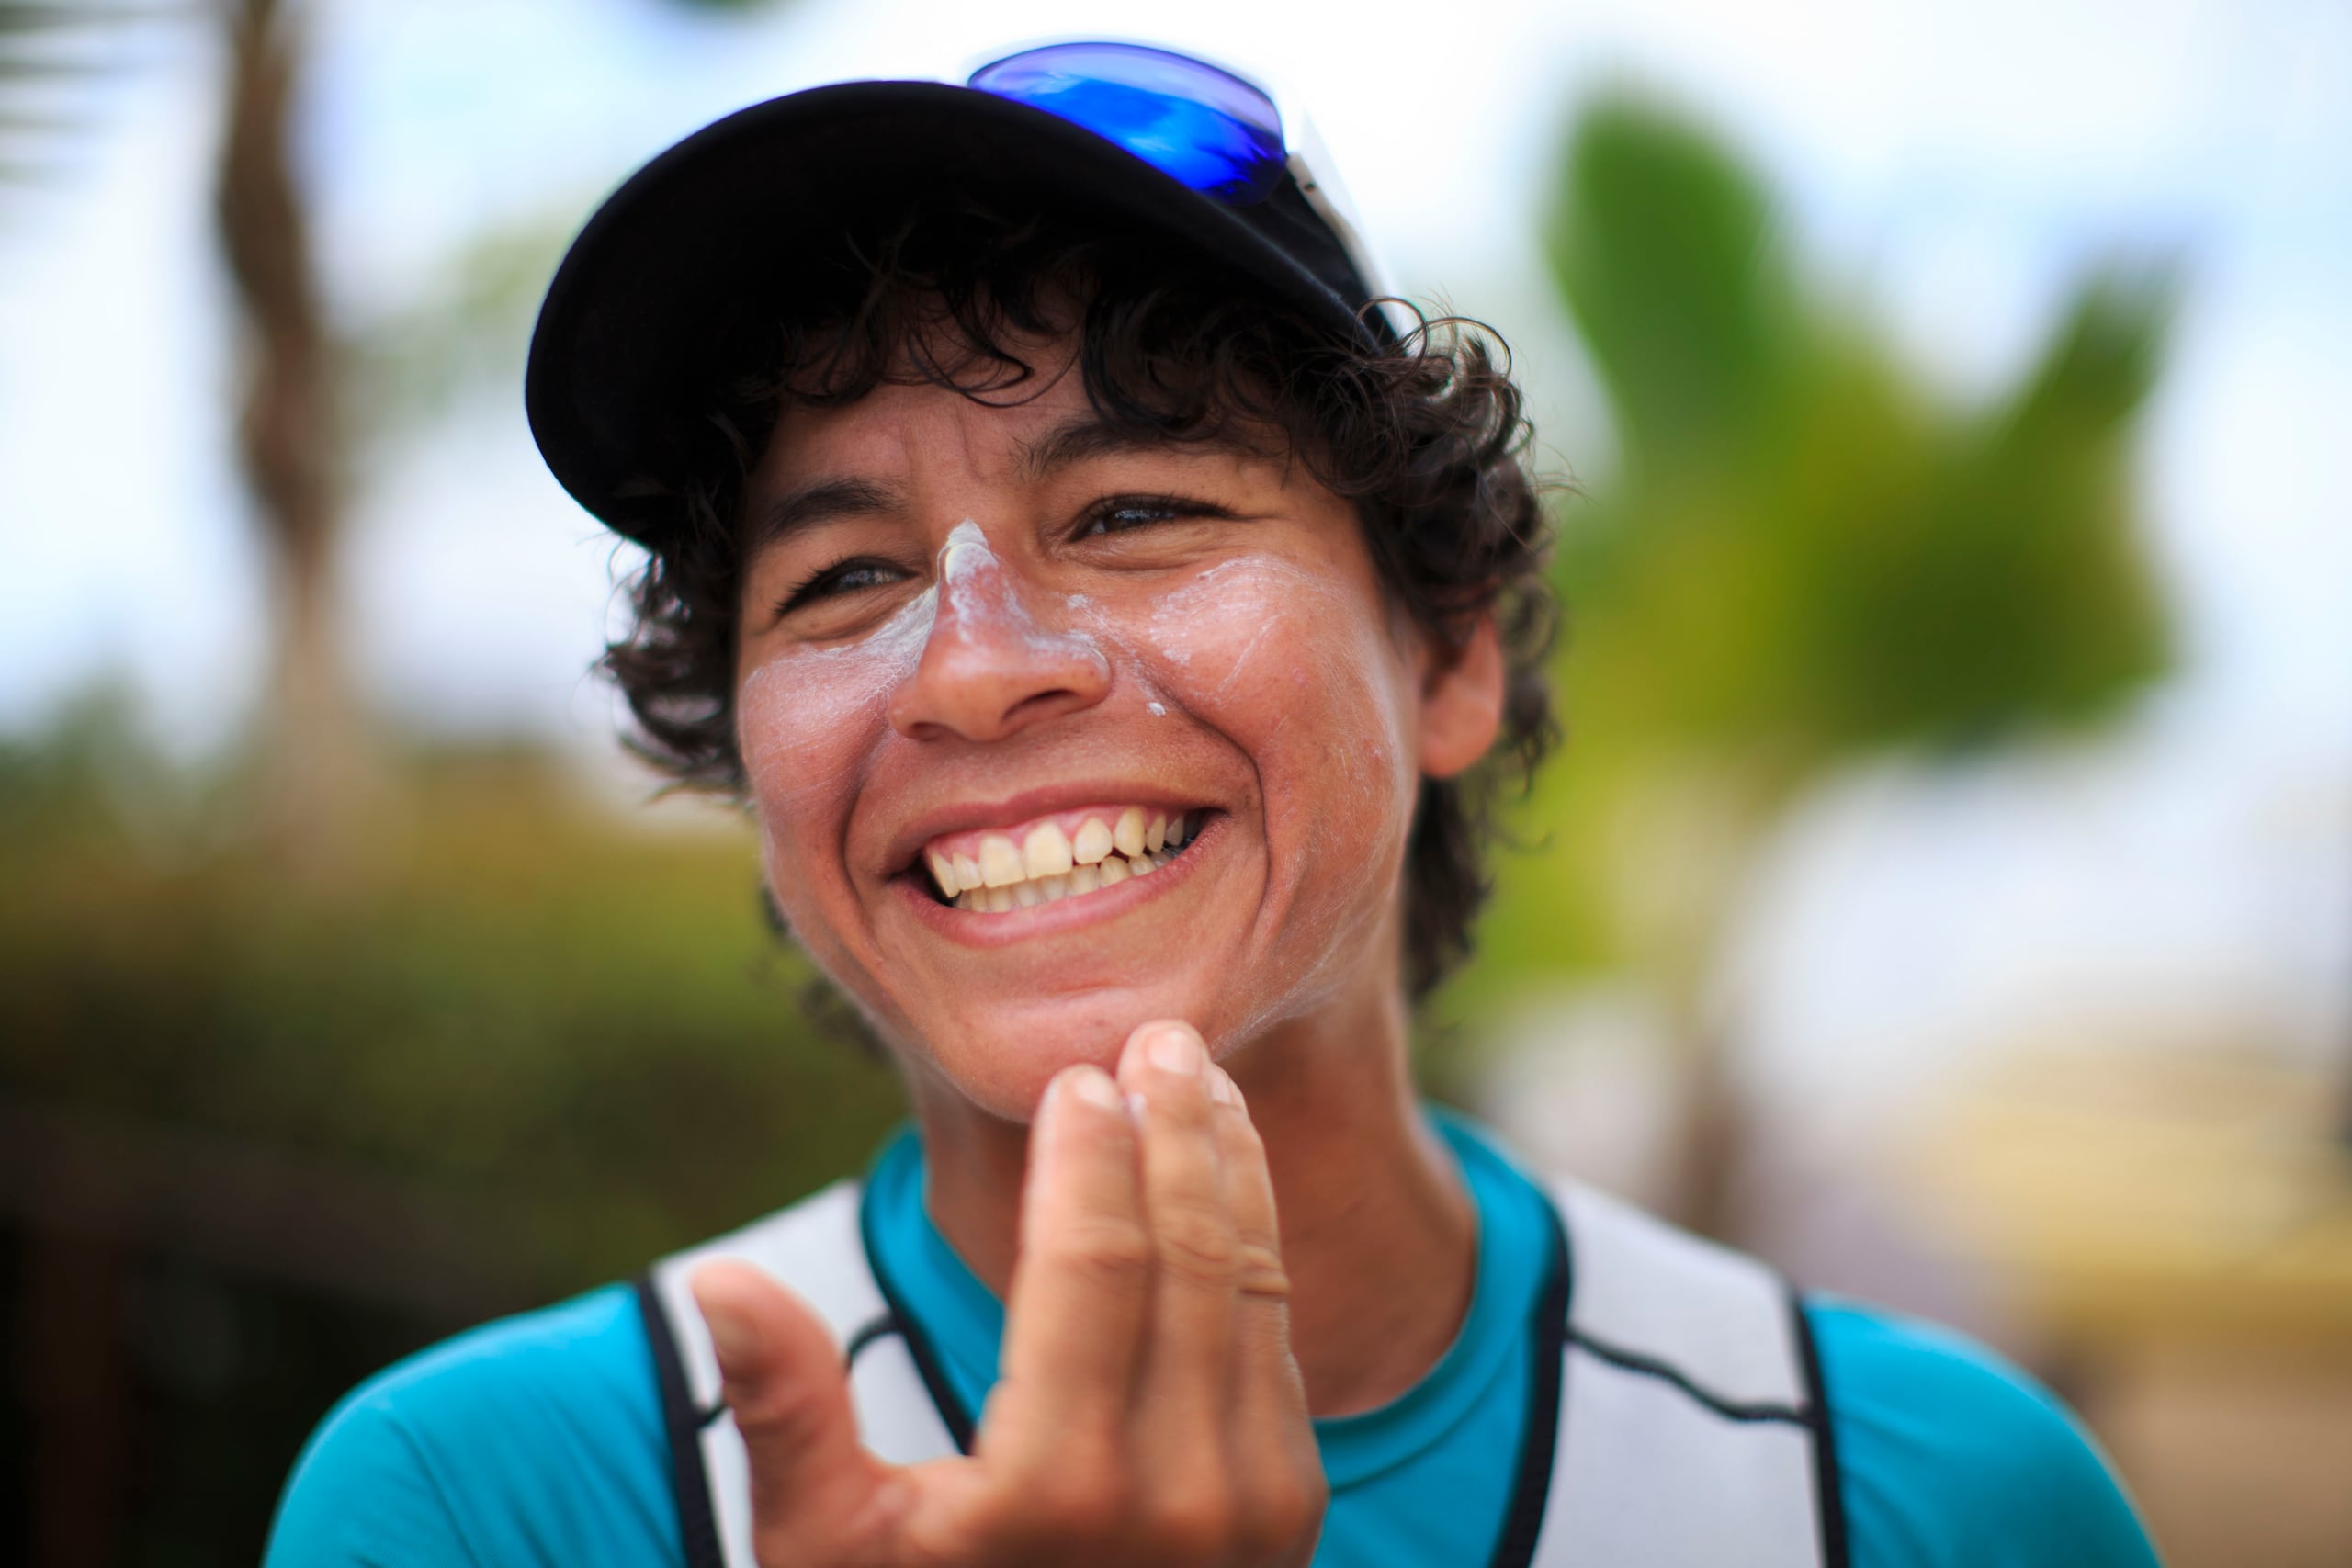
pixel 1461 700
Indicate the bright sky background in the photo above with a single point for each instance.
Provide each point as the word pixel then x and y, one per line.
pixel 1955 163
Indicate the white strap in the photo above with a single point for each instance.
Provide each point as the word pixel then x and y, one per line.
pixel 1647 1477
pixel 816 1248
pixel 1684 1425
pixel 1686 1434
pixel 1719 1317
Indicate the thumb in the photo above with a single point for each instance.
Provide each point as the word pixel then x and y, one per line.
pixel 784 1382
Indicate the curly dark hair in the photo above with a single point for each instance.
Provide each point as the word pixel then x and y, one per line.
pixel 1424 434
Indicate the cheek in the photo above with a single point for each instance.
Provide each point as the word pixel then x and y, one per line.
pixel 808 720
pixel 1298 669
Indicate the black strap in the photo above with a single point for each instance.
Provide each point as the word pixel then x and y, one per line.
pixel 1651 1367
pixel 952 1413
pixel 1547 1335
pixel 1553 1334
pixel 1830 1497
pixel 880 1328
pixel 698 1527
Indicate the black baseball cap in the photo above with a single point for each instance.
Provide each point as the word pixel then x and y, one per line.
pixel 685 268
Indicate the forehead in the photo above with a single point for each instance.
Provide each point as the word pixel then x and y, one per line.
pixel 903 427
pixel 974 376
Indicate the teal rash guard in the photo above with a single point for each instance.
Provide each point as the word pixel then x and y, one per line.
pixel 539 1440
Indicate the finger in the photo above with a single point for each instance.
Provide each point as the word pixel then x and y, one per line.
pixel 1278 1469
pixel 1080 1289
pixel 1266 1370
pixel 1188 1367
pixel 783 1384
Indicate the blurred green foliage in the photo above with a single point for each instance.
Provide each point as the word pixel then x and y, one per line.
pixel 1804 556
pixel 521 1043
pixel 575 1025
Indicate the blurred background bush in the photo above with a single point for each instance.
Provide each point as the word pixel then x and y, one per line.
pixel 1947 888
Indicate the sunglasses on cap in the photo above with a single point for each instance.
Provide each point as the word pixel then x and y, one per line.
pixel 1205 125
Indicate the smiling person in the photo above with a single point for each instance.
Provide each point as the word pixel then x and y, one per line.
pixel 1114 615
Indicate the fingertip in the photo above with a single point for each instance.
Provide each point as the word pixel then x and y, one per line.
pixel 723 1291
pixel 1085 1092
pixel 1167 1045
pixel 1090 1085
pixel 1142 1034
pixel 1081 1107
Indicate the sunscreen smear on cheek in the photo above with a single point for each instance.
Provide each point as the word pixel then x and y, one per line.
pixel 805 716
pixel 1257 644
pixel 1215 635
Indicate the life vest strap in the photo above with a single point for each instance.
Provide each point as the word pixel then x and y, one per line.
pixel 1676 1416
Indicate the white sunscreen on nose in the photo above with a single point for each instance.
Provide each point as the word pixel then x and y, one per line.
pixel 980 599
pixel 965 556
pixel 810 699
pixel 822 687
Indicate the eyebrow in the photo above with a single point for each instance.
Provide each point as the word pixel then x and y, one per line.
pixel 820 500
pixel 1095 436
pixel 828 500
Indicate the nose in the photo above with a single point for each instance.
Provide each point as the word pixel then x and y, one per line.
pixel 990 669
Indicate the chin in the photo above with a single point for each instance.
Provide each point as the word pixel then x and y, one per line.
pixel 1001 1057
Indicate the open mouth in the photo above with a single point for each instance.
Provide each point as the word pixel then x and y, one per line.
pixel 1066 855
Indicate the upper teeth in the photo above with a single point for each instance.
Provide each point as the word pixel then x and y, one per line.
pixel 1049 864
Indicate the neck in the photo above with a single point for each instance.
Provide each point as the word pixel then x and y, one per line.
pixel 1379 1237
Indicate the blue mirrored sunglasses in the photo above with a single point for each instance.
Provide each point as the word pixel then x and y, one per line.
pixel 1203 127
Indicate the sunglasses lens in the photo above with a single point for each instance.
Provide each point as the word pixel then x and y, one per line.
pixel 1207 129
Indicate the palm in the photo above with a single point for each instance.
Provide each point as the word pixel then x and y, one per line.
pixel 1807 555
pixel 291 437
pixel 1819 552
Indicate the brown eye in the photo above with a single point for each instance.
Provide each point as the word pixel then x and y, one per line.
pixel 1118 514
pixel 1118 519
pixel 843 577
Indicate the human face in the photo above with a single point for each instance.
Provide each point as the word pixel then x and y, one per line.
pixel 977 637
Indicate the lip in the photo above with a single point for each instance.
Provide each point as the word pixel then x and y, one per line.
pixel 969 929
pixel 963 817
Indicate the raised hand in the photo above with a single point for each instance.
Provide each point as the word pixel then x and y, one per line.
pixel 1149 1410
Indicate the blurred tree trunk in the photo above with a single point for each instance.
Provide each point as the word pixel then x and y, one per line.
pixel 318 762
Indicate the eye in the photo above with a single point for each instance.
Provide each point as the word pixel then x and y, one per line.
pixel 1119 513
pixel 856 575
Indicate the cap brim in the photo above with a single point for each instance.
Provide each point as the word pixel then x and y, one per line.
pixel 687 265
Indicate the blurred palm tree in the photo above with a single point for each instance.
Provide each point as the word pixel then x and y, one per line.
pixel 292 439
pixel 318 757
pixel 1805 556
